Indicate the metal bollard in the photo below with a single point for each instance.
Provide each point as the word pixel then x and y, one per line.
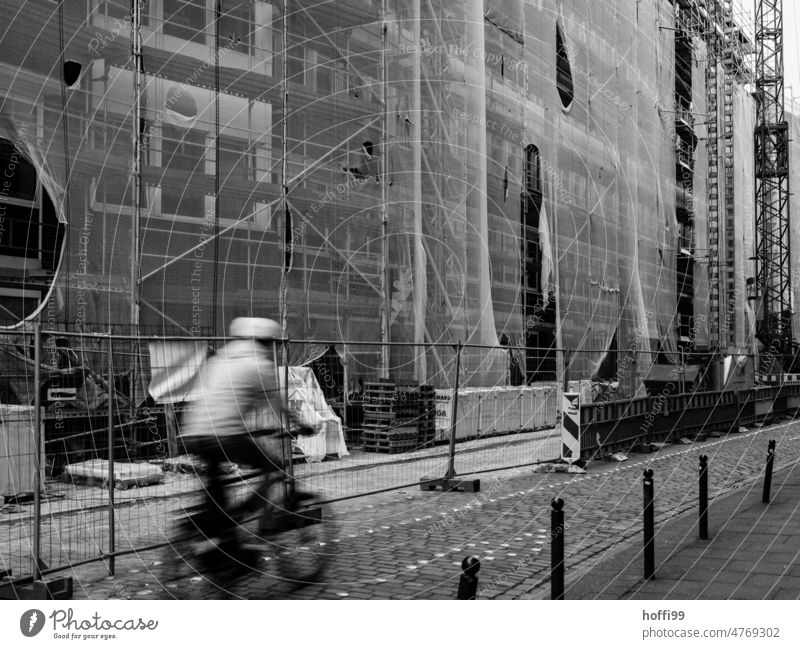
pixel 557 549
pixel 704 497
pixel 649 525
pixel 768 472
pixel 468 584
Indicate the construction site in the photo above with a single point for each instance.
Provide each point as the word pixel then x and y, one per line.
pixel 497 201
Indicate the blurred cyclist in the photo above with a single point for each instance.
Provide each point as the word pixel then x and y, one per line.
pixel 230 386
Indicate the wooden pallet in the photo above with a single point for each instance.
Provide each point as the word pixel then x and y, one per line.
pixel 377 445
pixel 371 412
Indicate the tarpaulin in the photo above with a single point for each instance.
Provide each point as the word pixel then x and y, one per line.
pixel 174 365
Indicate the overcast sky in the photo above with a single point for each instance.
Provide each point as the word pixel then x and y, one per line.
pixel 791 50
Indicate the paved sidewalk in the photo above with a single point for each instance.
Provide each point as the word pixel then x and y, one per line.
pixel 753 552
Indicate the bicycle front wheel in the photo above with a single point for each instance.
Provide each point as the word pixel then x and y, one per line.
pixel 305 551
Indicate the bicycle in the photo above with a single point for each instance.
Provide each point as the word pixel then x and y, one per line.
pixel 297 543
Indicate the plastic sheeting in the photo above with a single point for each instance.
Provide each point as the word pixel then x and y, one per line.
pixel 410 142
pixel 174 366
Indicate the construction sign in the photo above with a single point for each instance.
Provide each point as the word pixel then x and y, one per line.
pixel 62 394
pixel 571 426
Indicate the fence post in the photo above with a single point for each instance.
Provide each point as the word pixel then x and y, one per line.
pixel 286 443
pixel 557 549
pixel 110 482
pixel 451 461
pixel 468 583
pixel 768 472
pixel 37 450
pixel 704 497
pixel 449 482
pixel 649 525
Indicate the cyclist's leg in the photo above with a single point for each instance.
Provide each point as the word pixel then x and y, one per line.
pixel 246 450
pixel 215 519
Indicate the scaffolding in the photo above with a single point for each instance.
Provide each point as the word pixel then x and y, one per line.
pixel 772 183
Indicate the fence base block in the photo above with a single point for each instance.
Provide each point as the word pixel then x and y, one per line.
pixel 450 484
pixel 60 588
pixel 715 434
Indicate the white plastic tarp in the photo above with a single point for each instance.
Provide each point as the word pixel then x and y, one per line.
pixel 174 365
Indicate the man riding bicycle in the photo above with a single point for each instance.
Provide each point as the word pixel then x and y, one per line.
pixel 230 386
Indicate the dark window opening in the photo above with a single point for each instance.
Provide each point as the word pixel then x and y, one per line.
pixel 182 149
pixel 185 19
pixel 71 72
pixel 564 83
pixel 29 227
pixel 235 159
pixel 20 231
pixel 182 156
pixel 183 200
pixel 19 180
pixel 532 194
pixel 324 79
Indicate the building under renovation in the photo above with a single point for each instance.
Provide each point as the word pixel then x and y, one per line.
pixel 539 174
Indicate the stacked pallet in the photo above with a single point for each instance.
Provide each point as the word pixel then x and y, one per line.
pixel 380 431
pixel 426 421
pixel 406 407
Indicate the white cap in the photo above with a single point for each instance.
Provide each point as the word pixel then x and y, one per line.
pixel 256 328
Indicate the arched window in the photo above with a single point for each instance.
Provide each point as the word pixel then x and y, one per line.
pixel 532 197
pixel 564 84
pixel 30 235
pixel 533 169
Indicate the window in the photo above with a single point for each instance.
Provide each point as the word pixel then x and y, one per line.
pixel 532 196
pixel 533 169
pixel 185 19
pixel 324 75
pixel 236 24
pixel 19 207
pixel 29 228
pixel 115 13
pixel 564 84
pixel 15 304
pixel 296 64
pixel 182 149
pixel 235 159
pixel 182 156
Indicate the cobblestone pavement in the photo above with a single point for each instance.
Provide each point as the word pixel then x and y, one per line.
pixel 75 516
pixel 409 543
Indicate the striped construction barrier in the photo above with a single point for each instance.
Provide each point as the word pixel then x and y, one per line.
pixel 571 426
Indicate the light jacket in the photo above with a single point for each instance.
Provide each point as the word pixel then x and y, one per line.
pixel 230 386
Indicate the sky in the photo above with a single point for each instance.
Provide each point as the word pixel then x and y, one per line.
pixel 791 48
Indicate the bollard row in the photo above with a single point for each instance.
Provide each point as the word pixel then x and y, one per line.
pixel 468 584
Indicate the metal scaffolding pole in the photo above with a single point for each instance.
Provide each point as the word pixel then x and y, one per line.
pixel 138 69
